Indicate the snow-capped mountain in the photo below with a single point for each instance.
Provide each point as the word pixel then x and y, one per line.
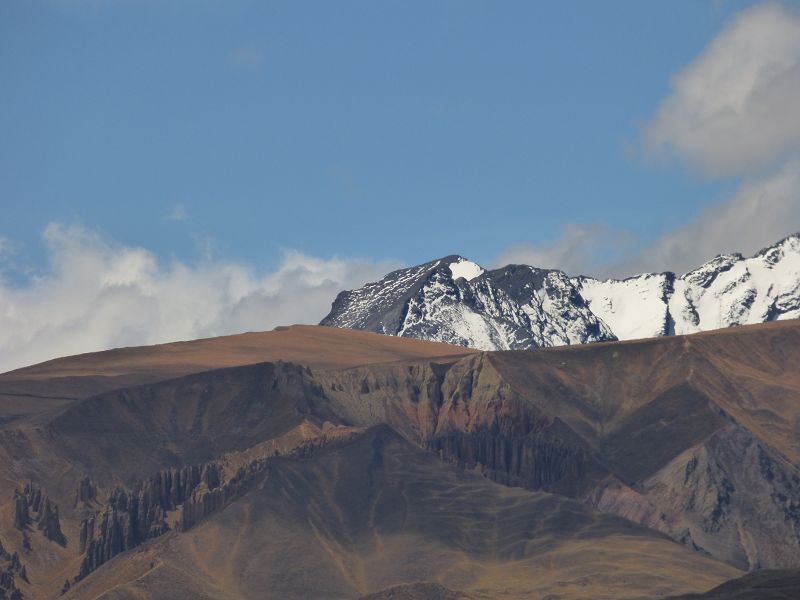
pixel 518 306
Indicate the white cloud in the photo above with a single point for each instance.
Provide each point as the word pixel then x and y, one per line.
pixel 733 112
pixel 736 107
pixel 98 294
pixel 580 249
pixel 762 211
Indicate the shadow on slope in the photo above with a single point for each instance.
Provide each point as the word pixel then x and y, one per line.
pixel 762 585
pixel 357 517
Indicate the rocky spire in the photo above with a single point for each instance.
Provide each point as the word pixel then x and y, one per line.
pixel 32 506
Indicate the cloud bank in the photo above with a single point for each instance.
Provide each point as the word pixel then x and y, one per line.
pixel 98 294
pixel 733 112
pixel 579 249
pixel 736 107
pixel 762 211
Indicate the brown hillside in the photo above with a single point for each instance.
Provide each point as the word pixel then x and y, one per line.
pixel 487 474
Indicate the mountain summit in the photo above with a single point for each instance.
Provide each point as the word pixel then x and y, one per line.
pixel 455 300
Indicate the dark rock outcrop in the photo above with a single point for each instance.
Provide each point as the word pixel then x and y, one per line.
pixel 469 416
pixel 22 517
pixel 532 461
pixel 521 307
pixel 130 518
pixel 646 431
pixel 49 523
pixel 510 308
pixel 713 493
pixel 211 495
pixel 45 513
pixel 11 567
pixel 86 493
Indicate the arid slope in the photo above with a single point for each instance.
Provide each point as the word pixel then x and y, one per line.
pixel 695 436
pixel 356 517
pixel 348 464
pixel 52 383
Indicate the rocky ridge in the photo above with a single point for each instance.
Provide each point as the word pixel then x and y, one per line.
pixel 178 499
pixel 682 457
pixel 694 437
pixel 454 300
pixel 11 568
pixel 33 507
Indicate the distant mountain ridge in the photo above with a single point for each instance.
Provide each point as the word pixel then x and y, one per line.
pixel 454 300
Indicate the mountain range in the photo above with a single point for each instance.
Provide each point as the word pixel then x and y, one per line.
pixel 324 462
pixel 515 461
pixel 456 301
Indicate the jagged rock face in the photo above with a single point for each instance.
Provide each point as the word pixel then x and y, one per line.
pixel 130 518
pixel 510 308
pixel 10 568
pixel 712 494
pixel 517 307
pixel 86 493
pixel 49 523
pixel 213 493
pixel 190 494
pixel 521 307
pixel 45 512
pixel 695 437
pixel 354 518
pixel 535 461
pixel 612 425
pixel 468 415
pixel 22 515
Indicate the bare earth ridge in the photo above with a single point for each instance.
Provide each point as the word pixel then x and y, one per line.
pixel 322 462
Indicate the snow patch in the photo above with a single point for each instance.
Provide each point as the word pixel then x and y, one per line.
pixel 466 269
pixel 633 308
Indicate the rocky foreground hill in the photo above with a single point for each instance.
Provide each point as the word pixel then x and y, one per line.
pixel 317 462
pixel 515 307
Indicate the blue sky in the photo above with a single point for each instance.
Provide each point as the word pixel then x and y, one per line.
pixel 404 130
pixel 171 170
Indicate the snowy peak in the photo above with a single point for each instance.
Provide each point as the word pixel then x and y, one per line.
pixel 789 246
pixel 705 275
pixel 455 300
pixel 467 269
pixel 382 306
pixel 726 291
